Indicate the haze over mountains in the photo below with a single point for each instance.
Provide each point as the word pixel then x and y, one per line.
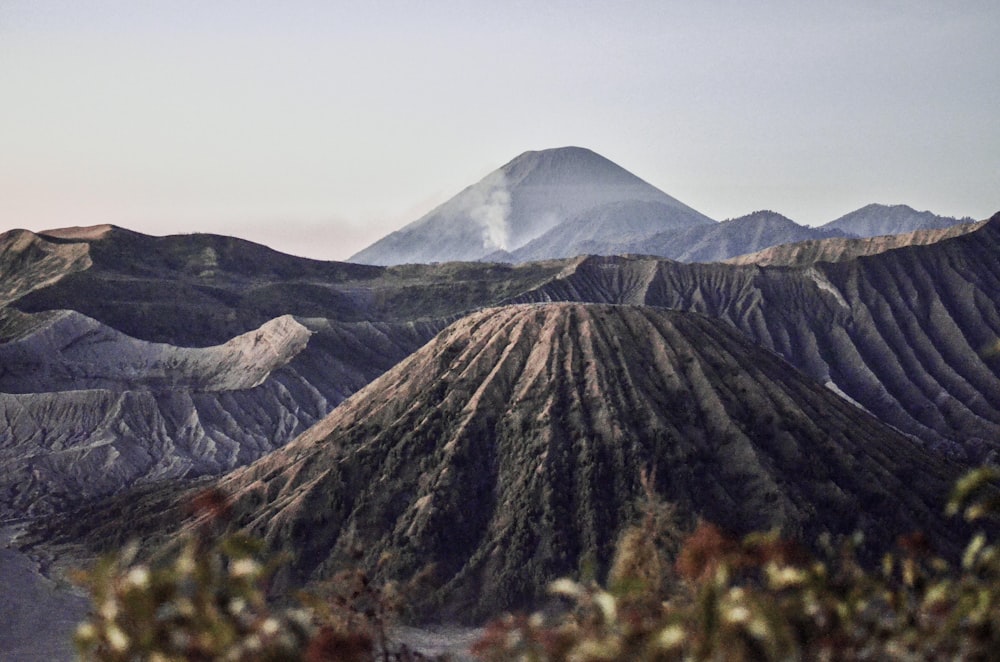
pixel 571 201
pixel 493 417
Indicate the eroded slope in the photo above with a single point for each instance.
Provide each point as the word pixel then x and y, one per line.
pixel 508 450
pixel 910 334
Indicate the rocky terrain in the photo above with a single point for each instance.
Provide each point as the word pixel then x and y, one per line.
pixel 508 451
pixel 490 418
pixel 194 355
pixel 909 334
pixel 30 262
pixel 132 358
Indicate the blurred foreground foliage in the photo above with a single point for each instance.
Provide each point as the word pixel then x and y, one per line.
pixel 704 596
pixel 763 598
pixel 206 599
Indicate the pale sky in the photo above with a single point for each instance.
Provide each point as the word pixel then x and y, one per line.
pixel 318 127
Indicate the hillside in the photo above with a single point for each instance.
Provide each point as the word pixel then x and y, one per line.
pixel 906 334
pixel 130 358
pixel 30 262
pixel 507 452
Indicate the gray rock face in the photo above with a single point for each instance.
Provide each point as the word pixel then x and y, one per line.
pixel 70 351
pixel 552 199
pixel 85 428
pixel 877 220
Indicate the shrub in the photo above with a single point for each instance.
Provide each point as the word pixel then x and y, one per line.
pixel 206 600
pixel 762 598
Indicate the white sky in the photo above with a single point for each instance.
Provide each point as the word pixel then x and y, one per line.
pixel 318 127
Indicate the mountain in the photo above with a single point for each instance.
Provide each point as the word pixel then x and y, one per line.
pixel 839 249
pixel 508 451
pixel 128 358
pixel 547 203
pixel 908 334
pixel 714 243
pixel 877 220
pixel 570 201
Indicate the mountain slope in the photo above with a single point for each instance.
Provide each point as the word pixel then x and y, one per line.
pixel 72 352
pixel 569 188
pixel 508 450
pixel 127 358
pixel 910 334
pixel 877 220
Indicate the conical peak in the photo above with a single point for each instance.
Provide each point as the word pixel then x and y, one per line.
pixel 576 164
pixel 567 152
pixel 559 155
pixel 572 188
pixel 548 413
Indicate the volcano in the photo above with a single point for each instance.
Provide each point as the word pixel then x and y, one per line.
pixel 508 452
pixel 570 196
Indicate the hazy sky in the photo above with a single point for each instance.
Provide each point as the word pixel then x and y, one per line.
pixel 318 127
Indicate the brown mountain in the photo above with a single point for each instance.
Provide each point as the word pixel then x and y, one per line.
pixel 508 450
pixel 29 262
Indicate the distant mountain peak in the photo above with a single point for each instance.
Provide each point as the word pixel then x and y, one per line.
pixel 573 191
pixel 876 220
pixel 561 162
